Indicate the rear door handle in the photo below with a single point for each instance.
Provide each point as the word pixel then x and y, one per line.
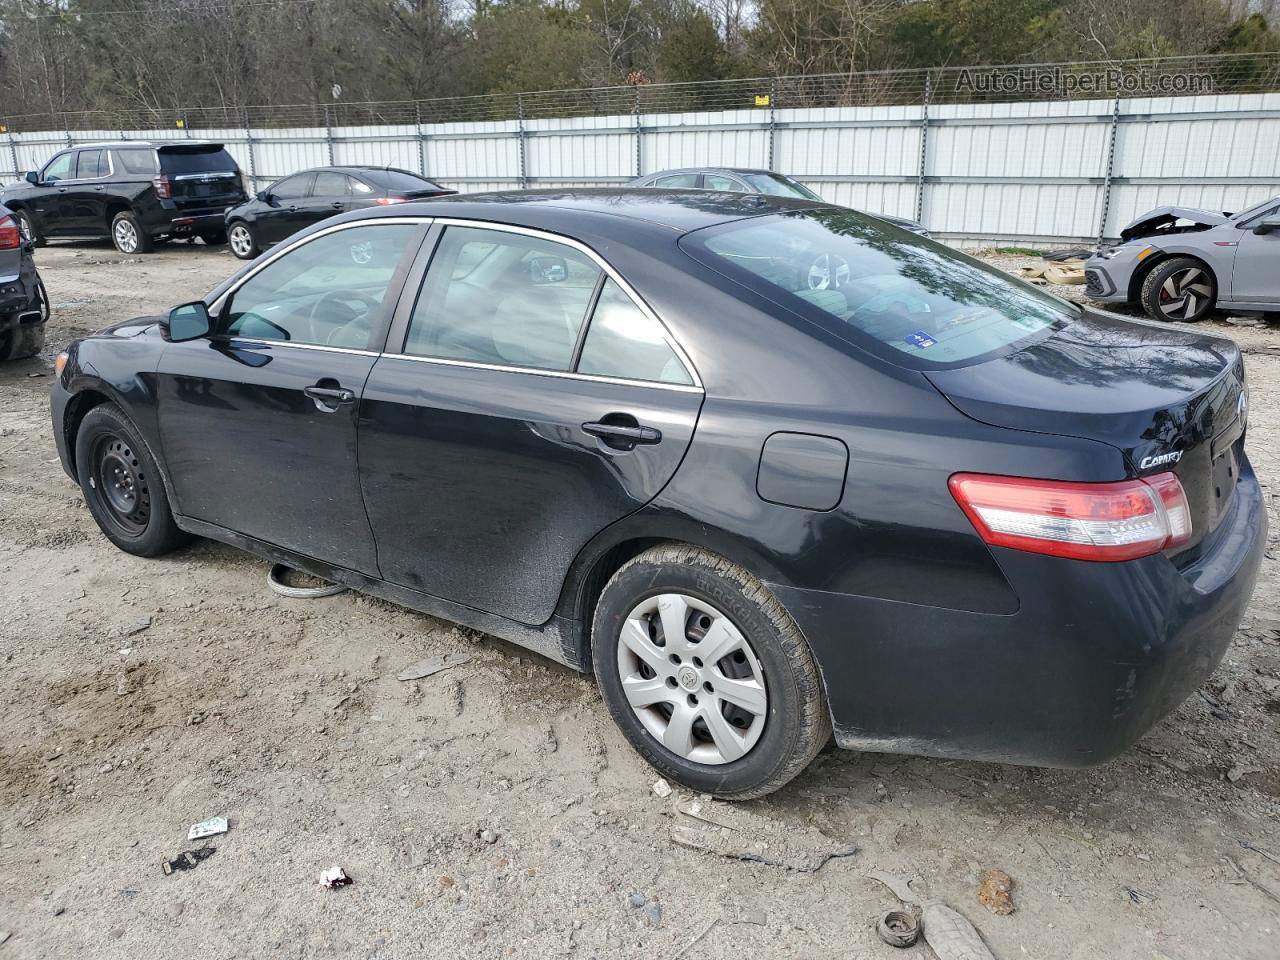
pixel 619 432
pixel 326 397
pixel 338 204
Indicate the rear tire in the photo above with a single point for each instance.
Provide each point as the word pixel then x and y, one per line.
pixel 738 724
pixel 122 485
pixel 22 341
pixel 1180 290
pixel 128 234
pixel 27 228
pixel 243 240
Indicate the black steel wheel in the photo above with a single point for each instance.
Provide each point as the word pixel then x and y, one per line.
pixel 122 484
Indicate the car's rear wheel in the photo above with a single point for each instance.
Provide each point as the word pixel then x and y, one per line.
pixel 27 228
pixel 243 241
pixel 1181 290
pixel 706 673
pixel 128 235
pixel 122 486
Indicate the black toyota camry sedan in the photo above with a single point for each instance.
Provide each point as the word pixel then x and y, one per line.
pixel 767 467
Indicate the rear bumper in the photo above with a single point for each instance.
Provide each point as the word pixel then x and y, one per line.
pixel 18 296
pixel 1095 655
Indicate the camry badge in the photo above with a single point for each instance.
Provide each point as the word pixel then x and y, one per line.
pixel 1160 460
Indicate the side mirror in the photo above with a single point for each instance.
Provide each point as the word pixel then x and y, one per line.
pixel 264 196
pixel 548 270
pixel 31 176
pixel 187 322
pixel 1267 225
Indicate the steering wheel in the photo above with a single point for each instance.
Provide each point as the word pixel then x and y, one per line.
pixel 335 301
pixel 828 272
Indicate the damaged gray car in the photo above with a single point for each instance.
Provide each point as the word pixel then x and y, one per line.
pixel 1179 263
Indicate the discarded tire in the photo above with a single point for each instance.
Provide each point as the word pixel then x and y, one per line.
pixel 899 928
pixel 275 580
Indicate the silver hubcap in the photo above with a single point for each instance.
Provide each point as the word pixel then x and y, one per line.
pixel 126 236
pixel 1184 293
pixel 241 242
pixel 692 679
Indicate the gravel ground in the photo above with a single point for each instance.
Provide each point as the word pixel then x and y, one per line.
pixel 492 810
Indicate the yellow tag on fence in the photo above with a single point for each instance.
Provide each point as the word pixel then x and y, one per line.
pixel 762 100
pixel 180 124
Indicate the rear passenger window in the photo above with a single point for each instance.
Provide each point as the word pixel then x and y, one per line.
pixel 330 185
pixel 624 341
pixel 359 187
pixel 679 181
pixel 93 163
pixel 502 298
pixel 714 182
pixel 137 161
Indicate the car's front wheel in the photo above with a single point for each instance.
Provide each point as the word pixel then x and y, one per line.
pixel 122 486
pixel 1180 289
pixel 706 674
pixel 128 234
pixel 243 241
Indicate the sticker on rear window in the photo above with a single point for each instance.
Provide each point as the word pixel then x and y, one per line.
pixel 920 339
pixel 1030 324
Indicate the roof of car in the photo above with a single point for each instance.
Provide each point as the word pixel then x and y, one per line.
pixel 154 144
pixel 678 170
pixel 680 210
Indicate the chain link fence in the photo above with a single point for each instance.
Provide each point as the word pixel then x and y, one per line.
pixel 1169 76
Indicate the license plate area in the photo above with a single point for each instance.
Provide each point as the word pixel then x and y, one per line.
pixel 1222 483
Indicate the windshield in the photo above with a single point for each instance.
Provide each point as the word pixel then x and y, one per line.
pixel 911 300
pixel 779 186
pixel 401 180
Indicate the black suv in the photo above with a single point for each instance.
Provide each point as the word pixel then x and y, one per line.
pixel 134 192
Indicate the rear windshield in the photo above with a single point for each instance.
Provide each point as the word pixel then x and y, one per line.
pixel 399 181
pixel 908 299
pixel 210 159
pixel 779 186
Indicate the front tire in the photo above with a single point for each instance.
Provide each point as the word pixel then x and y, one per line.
pixel 128 234
pixel 1180 290
pixel 706 674
pixel 122 485
pixel 243 241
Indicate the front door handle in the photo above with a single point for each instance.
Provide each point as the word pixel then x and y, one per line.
pixel 622 435
pixel 338 204
pixel 328 399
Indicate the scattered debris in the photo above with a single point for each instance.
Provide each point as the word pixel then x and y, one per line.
pixel 753 850
pixel 994 889
pixel 729 914
pixel 187 860
pixel 899 928
pixel 335 877
pixel 138 626
pixel 1258 885
pixel 653 913
pixel 637 900
pixel 945 929
pixel 487 835
pixel 1139 897
pixel 208 828
pixel 5 935
pixel 1241 770
pixel 59 910
pixel 661 789
pixel 432 665
pixel 1259 851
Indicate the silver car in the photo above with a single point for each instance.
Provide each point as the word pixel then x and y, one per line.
pixel 746 180
pixel 1178 263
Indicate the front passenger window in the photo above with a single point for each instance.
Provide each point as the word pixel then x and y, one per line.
pixel 59 168
pixel 506 299
pixel 324 291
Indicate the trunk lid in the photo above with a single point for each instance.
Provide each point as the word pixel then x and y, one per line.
pixel 203 177
pixel 1168 399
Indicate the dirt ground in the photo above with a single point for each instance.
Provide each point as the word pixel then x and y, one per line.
pixel 492 810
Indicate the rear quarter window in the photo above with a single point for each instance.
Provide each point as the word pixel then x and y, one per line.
pixel 136 161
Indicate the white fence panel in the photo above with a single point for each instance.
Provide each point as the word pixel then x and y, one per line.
pixel 1029 172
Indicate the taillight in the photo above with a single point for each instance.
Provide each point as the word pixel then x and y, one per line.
pixel 10 235
pixel 1083 521
pixel 163 190
pixel 387 201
